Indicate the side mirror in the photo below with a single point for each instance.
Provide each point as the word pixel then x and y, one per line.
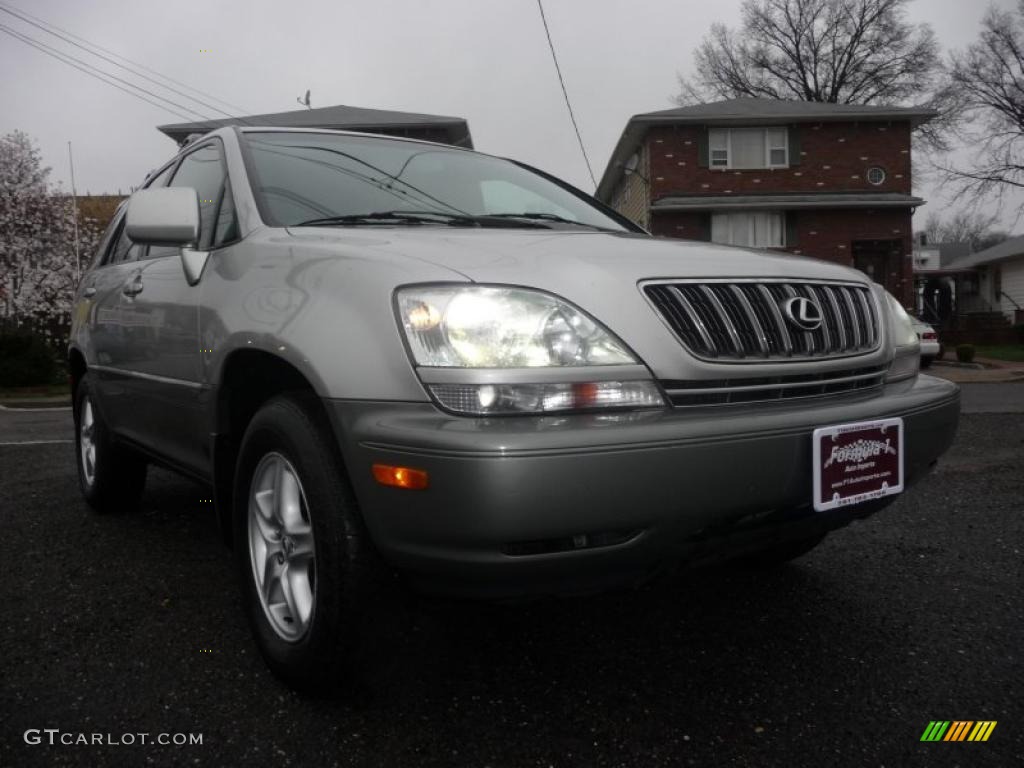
pixel 166 216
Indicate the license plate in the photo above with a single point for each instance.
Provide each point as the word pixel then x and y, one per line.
pixel 857 462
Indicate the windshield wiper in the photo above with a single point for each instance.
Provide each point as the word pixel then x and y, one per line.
pixel 415 218
pixel 547 217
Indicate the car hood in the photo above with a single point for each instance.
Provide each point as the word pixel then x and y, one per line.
pixel 598 272
pixel 558 259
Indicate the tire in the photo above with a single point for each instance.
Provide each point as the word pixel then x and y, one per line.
pixel 110 476
pixel 782 553
pixel 926 362
pixel 299 540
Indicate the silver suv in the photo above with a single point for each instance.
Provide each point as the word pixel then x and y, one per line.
pixel 394 356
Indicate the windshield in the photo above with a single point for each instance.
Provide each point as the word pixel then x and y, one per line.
pixel 315 177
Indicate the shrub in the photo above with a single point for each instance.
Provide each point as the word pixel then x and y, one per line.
pixel 965 353
pixel 26 360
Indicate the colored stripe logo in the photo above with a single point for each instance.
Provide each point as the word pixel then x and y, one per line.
pixel 958 730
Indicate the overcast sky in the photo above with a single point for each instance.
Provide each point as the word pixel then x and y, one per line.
pixel 485 60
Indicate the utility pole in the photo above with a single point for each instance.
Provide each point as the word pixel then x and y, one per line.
pixel 74 206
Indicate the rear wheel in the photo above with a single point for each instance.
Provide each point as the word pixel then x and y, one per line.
pixel 110 476
pixel 926 362
pixel 301 551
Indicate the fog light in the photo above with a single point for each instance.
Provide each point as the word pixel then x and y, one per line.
pixel 484 399
pixel 401 477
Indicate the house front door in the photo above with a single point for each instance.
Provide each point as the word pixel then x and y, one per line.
pixel 882 261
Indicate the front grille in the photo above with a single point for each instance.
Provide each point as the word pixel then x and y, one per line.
pixel 773 388
pixel 745 320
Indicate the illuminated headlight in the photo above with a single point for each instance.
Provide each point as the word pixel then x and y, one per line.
pixel 511 332
pixel 484 399
pixel 907 361
pixel 498 327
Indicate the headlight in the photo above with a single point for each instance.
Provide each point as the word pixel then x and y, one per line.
pixel 494 350
pixel 494 327
pixel 907 360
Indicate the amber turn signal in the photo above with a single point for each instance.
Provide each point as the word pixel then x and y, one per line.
pixel 401 477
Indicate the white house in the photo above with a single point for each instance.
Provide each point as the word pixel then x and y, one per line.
pixel 1000 278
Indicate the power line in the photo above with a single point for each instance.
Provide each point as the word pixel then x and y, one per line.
pixel 60 57
pixel 111 61
pixel 565 93
pixel 26 15
pixel 111 76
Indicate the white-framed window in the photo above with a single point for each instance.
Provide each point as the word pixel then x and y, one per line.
pixel 748 147
pixel 759 229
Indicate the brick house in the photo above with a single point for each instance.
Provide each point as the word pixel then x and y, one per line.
pixel 825 180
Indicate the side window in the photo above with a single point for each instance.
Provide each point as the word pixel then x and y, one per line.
pixel 227 222
pixel 160 180
pixel 203 170
pixel 123 249
pixel 108 237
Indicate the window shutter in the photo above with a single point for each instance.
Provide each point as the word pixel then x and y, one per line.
pixel 791 235
pixel 702 146
pixel 794 144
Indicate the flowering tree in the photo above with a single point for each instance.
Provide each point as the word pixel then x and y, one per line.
pixel 38 274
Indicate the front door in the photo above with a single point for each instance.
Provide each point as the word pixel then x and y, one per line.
pixel 170 387
pixel 882 261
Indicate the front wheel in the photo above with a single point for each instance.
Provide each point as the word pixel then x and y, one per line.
pixel 301 551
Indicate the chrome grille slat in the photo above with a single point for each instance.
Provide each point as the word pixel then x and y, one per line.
pixel 742 320
pixel 695 318
pixel 780 321
pixel 840 320
pixel 869 316
pixel 730 328
pixel 755 323
pixel 853 314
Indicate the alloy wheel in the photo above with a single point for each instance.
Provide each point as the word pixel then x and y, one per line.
pixel 281 549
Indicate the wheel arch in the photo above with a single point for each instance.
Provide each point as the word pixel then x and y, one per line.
pixel 249 378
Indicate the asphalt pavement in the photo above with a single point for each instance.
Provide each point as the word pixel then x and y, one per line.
pixel 128 625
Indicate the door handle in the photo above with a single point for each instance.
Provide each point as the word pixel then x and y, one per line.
pixel 133 288
pixel 89 292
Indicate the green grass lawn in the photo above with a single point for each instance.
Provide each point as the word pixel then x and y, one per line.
pixel 1013 352
pixel 43 390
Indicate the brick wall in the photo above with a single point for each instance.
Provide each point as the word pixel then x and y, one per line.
pixel 833 158
pixel 631 196
pixel 825 234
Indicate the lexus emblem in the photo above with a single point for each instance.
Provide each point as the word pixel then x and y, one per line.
pixel 802 312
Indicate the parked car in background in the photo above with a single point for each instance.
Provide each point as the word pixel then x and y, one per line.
pixel 390 355
pixel 931 349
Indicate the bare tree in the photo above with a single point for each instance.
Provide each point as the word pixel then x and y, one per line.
pixel 964 226
pixel 839 51
pixel 988 78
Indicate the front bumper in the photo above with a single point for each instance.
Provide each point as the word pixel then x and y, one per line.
pixel 555 504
